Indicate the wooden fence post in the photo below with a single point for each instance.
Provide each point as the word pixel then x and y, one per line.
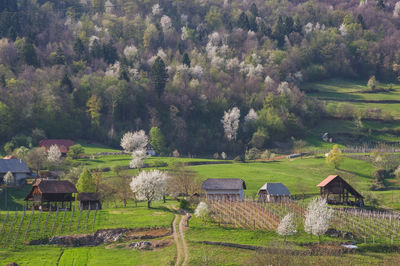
pixel 94 217
pixel 70 220
pixel 29 225
pixel 19 229
pixel 62 222
pixel 37 223
pixel 45 223
pixel 54 222
pixel 11 227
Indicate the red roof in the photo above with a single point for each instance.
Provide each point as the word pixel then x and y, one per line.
pixel 63 144
pixel 8 157
pixel 327 180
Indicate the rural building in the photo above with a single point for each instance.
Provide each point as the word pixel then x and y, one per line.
pixel 89 201
pixel 273 192
pixel 150 150
pixel 51 194
pixel 63 144
pixel 224 188
pixel 17 167
pixel 337 191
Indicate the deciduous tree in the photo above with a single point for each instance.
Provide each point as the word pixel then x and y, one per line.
pixel 85 182
pixel 335 156
pixel 54 154
pixel 149 186
pixel 318 217
pixel 132 141
pixel 287 226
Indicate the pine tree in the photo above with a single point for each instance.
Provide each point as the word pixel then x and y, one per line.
pixel 85 182
pixel 380 4
pixel 186 60
pixel 66 83
pixel 79 48
pixel 243 21
pixel 159 75
pixel 29 54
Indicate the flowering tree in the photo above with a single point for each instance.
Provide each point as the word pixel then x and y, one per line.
pixel 223 155
pixel 9 179
pixel 54 154
pixel 149 186
pixel 287 226
pixel 132 141
pixel 202 211
pixel 138 158
pixel 230 121
pixel 318 217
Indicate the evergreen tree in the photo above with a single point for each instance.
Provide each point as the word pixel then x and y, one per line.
pixel 110 53
pixel 79 48
pixel 186 60
pixel 159 75
pixel 243 21
pixel 380 4
pixel 254 9
pixel 360 20
pixel 66 83
pixel 29 54
pixel 157 139
pixel 85 183
pixel 59 57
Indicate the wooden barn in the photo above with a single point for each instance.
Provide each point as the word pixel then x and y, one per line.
pixel 337 191
pixel 273 192
pixel 51 194
pixel 89 201
pixel 63 144
pixel 224 188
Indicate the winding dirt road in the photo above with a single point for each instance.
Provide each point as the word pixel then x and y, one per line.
pixel 179 238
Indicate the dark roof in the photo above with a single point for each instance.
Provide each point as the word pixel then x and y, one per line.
pixel 275 189
pixel 14 166
pixel 63 144
pixel 331 178
pixel 55 186
pixel 88 196
pixel 223 183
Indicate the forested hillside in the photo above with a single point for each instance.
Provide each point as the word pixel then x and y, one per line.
pixel 95 69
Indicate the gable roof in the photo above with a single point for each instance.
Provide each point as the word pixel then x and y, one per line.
pixel 63 144
pixel 55 186
pixel 14 166
pixel 223 183
pixel 327 180
pixel 275 189
pixel 88 196
pixel 330 178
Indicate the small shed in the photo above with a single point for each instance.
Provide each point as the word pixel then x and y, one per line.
pixel 273 192
pixel 150 150
pixel 224 188
pixel 337 191
pixel 63 144
pixel 17 167
pixel 89 201
pixel 51 194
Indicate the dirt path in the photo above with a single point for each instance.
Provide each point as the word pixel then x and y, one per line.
pixel 181 231
pixel 177 242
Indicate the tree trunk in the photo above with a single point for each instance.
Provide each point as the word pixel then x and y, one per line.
pixel 284 239
pixel 148 204
pixel 124 203
pixel 319 238
pixel 164 199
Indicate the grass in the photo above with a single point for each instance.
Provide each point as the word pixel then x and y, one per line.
pixel 299 175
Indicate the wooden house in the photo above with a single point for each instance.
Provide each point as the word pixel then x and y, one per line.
pixel 337 191
pixel 17 167
pixel 224 188
pixel 63 144
pixel 89 201
pixel 273 192
pixel 51 194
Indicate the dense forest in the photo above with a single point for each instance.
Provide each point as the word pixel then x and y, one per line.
pixel 95 69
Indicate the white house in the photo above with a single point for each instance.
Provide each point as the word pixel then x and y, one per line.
pixel 224 188
pixel 17 167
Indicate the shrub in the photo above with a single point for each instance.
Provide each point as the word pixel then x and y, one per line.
pixel 239 158
pixel 184 204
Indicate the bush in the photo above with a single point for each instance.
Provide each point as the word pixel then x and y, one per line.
pixel 253 154
pixel 184 204
pixel 239 158
pixel 159 163
pixel 75 151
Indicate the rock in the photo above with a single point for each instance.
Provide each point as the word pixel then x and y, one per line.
pixel 332 232
pixel 142 245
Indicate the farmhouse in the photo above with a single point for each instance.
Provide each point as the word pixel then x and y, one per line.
pixel 224 188
pixel 337 191
pixel 89 201
pixel 17 167
pixel 50 194
pixel 63 144
pixel 273 192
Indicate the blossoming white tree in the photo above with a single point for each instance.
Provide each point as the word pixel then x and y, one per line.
pixel 132 141
pixel 318 217
pixel 202 211
pixel 287 226
pixel 9 179
pixel 149 186
pixel 138 158
pixel 230 121
pixel 54 154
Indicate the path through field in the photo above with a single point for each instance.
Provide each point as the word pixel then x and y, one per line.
pixel 179 238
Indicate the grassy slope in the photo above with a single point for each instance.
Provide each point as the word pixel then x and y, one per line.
pixel 299 175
